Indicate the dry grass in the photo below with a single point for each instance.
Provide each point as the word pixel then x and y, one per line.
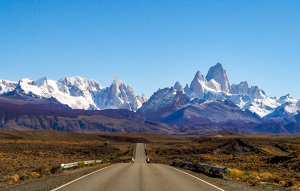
pixel 27 159
pixel 258 161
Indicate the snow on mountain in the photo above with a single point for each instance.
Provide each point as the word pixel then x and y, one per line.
pixel 286 111
pixel 70 91
pixel 200 86
pixel 117 96
pixel 211 111
pixel 80 93
pixel 219 75
pixel 163 103
pixel 28 86
pixel 174 106
pixel 178 86
pixel 216 87
pixel 7 86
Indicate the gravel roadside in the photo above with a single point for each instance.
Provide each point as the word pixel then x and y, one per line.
pixel 52 181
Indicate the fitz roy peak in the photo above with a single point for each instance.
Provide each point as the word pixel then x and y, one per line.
pixel 215 86
pixel 209 99
pixel 78 93
pixel 218 74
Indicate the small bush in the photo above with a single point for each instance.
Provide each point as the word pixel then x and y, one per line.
pixel 278 179
pixel 92 163
pixel 55 169
pixel 291 182
pixel 234 173
pixel 15 178
pixel 34 174
pixel 24 177
pixel 267 177
pixel 282 183
pixel 43 171
pixel 81 164
pixel 253 182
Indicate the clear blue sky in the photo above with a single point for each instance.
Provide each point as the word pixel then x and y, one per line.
pixel 153 44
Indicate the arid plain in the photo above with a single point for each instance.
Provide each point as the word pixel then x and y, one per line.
pixel 260 160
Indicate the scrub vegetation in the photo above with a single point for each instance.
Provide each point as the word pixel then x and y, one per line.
pixel 29 159
pixel 258 161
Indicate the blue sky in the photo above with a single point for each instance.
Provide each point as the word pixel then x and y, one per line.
pixel 153 44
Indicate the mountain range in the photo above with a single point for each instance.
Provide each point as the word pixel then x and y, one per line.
pixel 78 93
pixel 212 99
pixel 207 100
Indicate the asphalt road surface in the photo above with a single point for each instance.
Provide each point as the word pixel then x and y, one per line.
pixel 138 176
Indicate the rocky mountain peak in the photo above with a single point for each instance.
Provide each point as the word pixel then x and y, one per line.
pixel 114 88
pixel 42 81
pixel 178 86
pixel 197 85
pixel 24 83
pixel 144 98
pixel 242 88
pixel 198 75
pixel 285 97
pixel 116 80
pixel 219 75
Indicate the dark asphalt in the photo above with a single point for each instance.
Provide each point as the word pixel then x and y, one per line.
pixel 138 176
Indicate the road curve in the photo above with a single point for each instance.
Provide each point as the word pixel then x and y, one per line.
pixel 138 176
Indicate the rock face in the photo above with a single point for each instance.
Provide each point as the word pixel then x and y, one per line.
pixel 215 86
pixel 170 105
pixel 214 111
pixel 198 85
pixel 79 93
pixel 219 75
pixel 20 111
pixel 241 88
pixel 178 87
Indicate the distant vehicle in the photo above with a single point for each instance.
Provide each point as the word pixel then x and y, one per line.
pixel 148 160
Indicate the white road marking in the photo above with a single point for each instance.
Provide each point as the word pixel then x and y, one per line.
pixel 196 178
pixel 83 177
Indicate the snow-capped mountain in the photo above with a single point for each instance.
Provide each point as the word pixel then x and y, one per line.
pixel 216 86
pixel 286 111
pixel 7 86
pixel 79 93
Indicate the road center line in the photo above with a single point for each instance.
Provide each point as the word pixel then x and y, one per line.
pixel 196 178
pixel 83 177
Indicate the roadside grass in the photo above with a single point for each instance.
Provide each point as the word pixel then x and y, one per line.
pixel 22 160
pixel 258 161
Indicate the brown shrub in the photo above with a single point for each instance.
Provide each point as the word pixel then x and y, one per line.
pixel 55 169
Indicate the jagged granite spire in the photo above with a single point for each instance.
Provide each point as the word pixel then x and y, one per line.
pixel 114 88
pixel 178 86
pixel 197 85
pixel 219 75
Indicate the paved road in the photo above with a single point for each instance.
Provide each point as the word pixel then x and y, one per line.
pixel 138 176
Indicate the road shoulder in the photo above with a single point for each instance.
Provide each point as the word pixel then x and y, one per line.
pixel 226 183
pixel 54 180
